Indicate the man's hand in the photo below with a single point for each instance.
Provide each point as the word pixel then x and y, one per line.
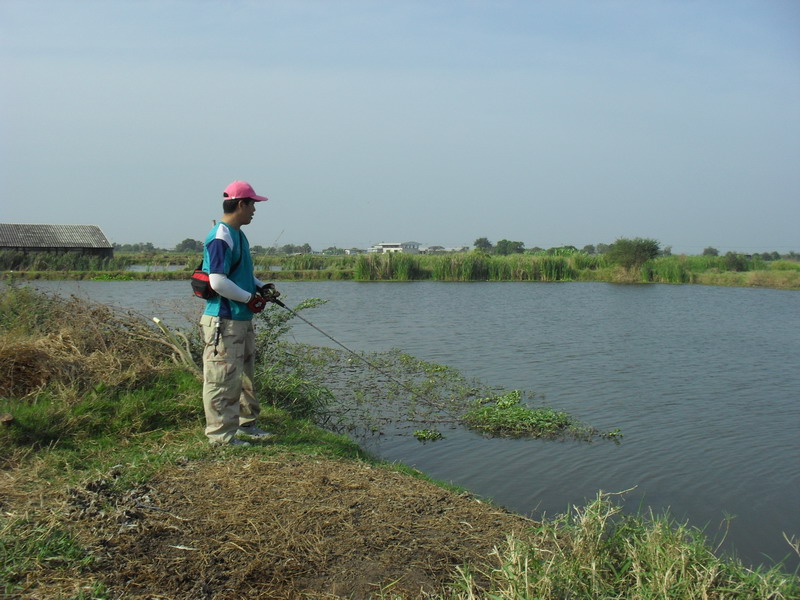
pixel 256 303
pixel 268 291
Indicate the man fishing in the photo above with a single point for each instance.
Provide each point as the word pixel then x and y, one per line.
pixel 229 400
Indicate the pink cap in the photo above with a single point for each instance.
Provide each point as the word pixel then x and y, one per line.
pixel 242 189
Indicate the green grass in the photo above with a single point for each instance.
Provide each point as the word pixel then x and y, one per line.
pixel 597 551
pixel 508 415
pixel 27 545
pixel 68 417
pixel 571 265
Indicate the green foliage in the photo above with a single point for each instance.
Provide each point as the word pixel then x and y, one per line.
pixel 736 262
pixel 189 245
pixel 596 551
pixel 631 254
pixel 483 244
pixel 470 266
pixel 428 435
pixel 295 249
pixel 563 251
pixel 476 266
pixel 507 415
pixel 24 311
pixel 274 322
pixel 13 260
pixel 505 247
pixel 136 248
pixel 68 419
pixel 280 374
pixel 299 396
pixel 785 265
pixel 26 545
pixel 390 266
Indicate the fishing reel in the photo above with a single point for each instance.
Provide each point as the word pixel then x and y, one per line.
pixel 268 292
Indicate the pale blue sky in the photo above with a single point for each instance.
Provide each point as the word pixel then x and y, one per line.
pixel 550 123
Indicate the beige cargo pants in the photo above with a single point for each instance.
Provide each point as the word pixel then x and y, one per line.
pixel 229 400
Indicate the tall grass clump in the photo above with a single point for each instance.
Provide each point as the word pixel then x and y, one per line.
pixel 284 376
pixel 303 262
pixel 468 266
pixel 672 269
pixel 556 268
pixel 595 551
pixel 389 266
pixel 71 369
pixel 784 265
pixel 14 260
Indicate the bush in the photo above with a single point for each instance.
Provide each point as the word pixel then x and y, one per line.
pixel 631 254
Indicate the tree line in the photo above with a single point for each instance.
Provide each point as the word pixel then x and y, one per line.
pixel 637 250
pixel 641 246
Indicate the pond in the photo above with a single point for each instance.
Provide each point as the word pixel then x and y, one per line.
pixel 703 382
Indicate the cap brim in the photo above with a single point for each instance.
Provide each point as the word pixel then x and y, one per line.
pixel 259 198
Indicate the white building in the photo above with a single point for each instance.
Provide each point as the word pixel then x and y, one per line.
pixel 388 247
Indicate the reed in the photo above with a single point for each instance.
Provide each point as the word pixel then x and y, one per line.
pixel 389 267
pixel 704 269
pixel 473 266
pixel 12 260
pixel 305 262
pixel 595 551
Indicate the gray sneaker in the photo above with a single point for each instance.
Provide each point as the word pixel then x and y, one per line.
pixel 253 431
pixel 235 442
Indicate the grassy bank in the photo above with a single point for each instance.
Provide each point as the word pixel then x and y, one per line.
pixel 103 459
pixel 729 270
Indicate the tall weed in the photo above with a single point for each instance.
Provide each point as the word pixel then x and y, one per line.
pixel 596 551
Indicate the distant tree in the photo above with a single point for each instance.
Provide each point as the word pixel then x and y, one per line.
pixel 535 250
pixel 258 250
pixel 189 245
pixel 602 248
pixel 589 249
pixel 735 262
pixel 138 247
pixel 710 252
pixel 294 249
pixel 505 247
pixel 333 251
pixel 483 244
pixel 562 250
pixel 667 251
pixel 633 253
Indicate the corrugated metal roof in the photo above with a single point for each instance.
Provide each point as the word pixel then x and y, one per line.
pixel 15 235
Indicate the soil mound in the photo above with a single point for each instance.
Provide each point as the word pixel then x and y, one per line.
pixel 284 527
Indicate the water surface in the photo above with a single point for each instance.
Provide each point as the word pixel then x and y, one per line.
pixel 703 382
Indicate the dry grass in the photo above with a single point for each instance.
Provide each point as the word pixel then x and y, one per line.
pixel 45 341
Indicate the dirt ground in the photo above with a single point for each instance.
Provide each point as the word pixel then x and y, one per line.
pixel 284 527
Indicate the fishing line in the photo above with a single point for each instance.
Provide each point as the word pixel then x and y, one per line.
pixel 334 340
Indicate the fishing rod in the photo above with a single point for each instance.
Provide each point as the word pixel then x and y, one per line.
pixel 275 300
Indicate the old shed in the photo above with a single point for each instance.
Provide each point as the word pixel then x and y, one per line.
pixel 84 239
